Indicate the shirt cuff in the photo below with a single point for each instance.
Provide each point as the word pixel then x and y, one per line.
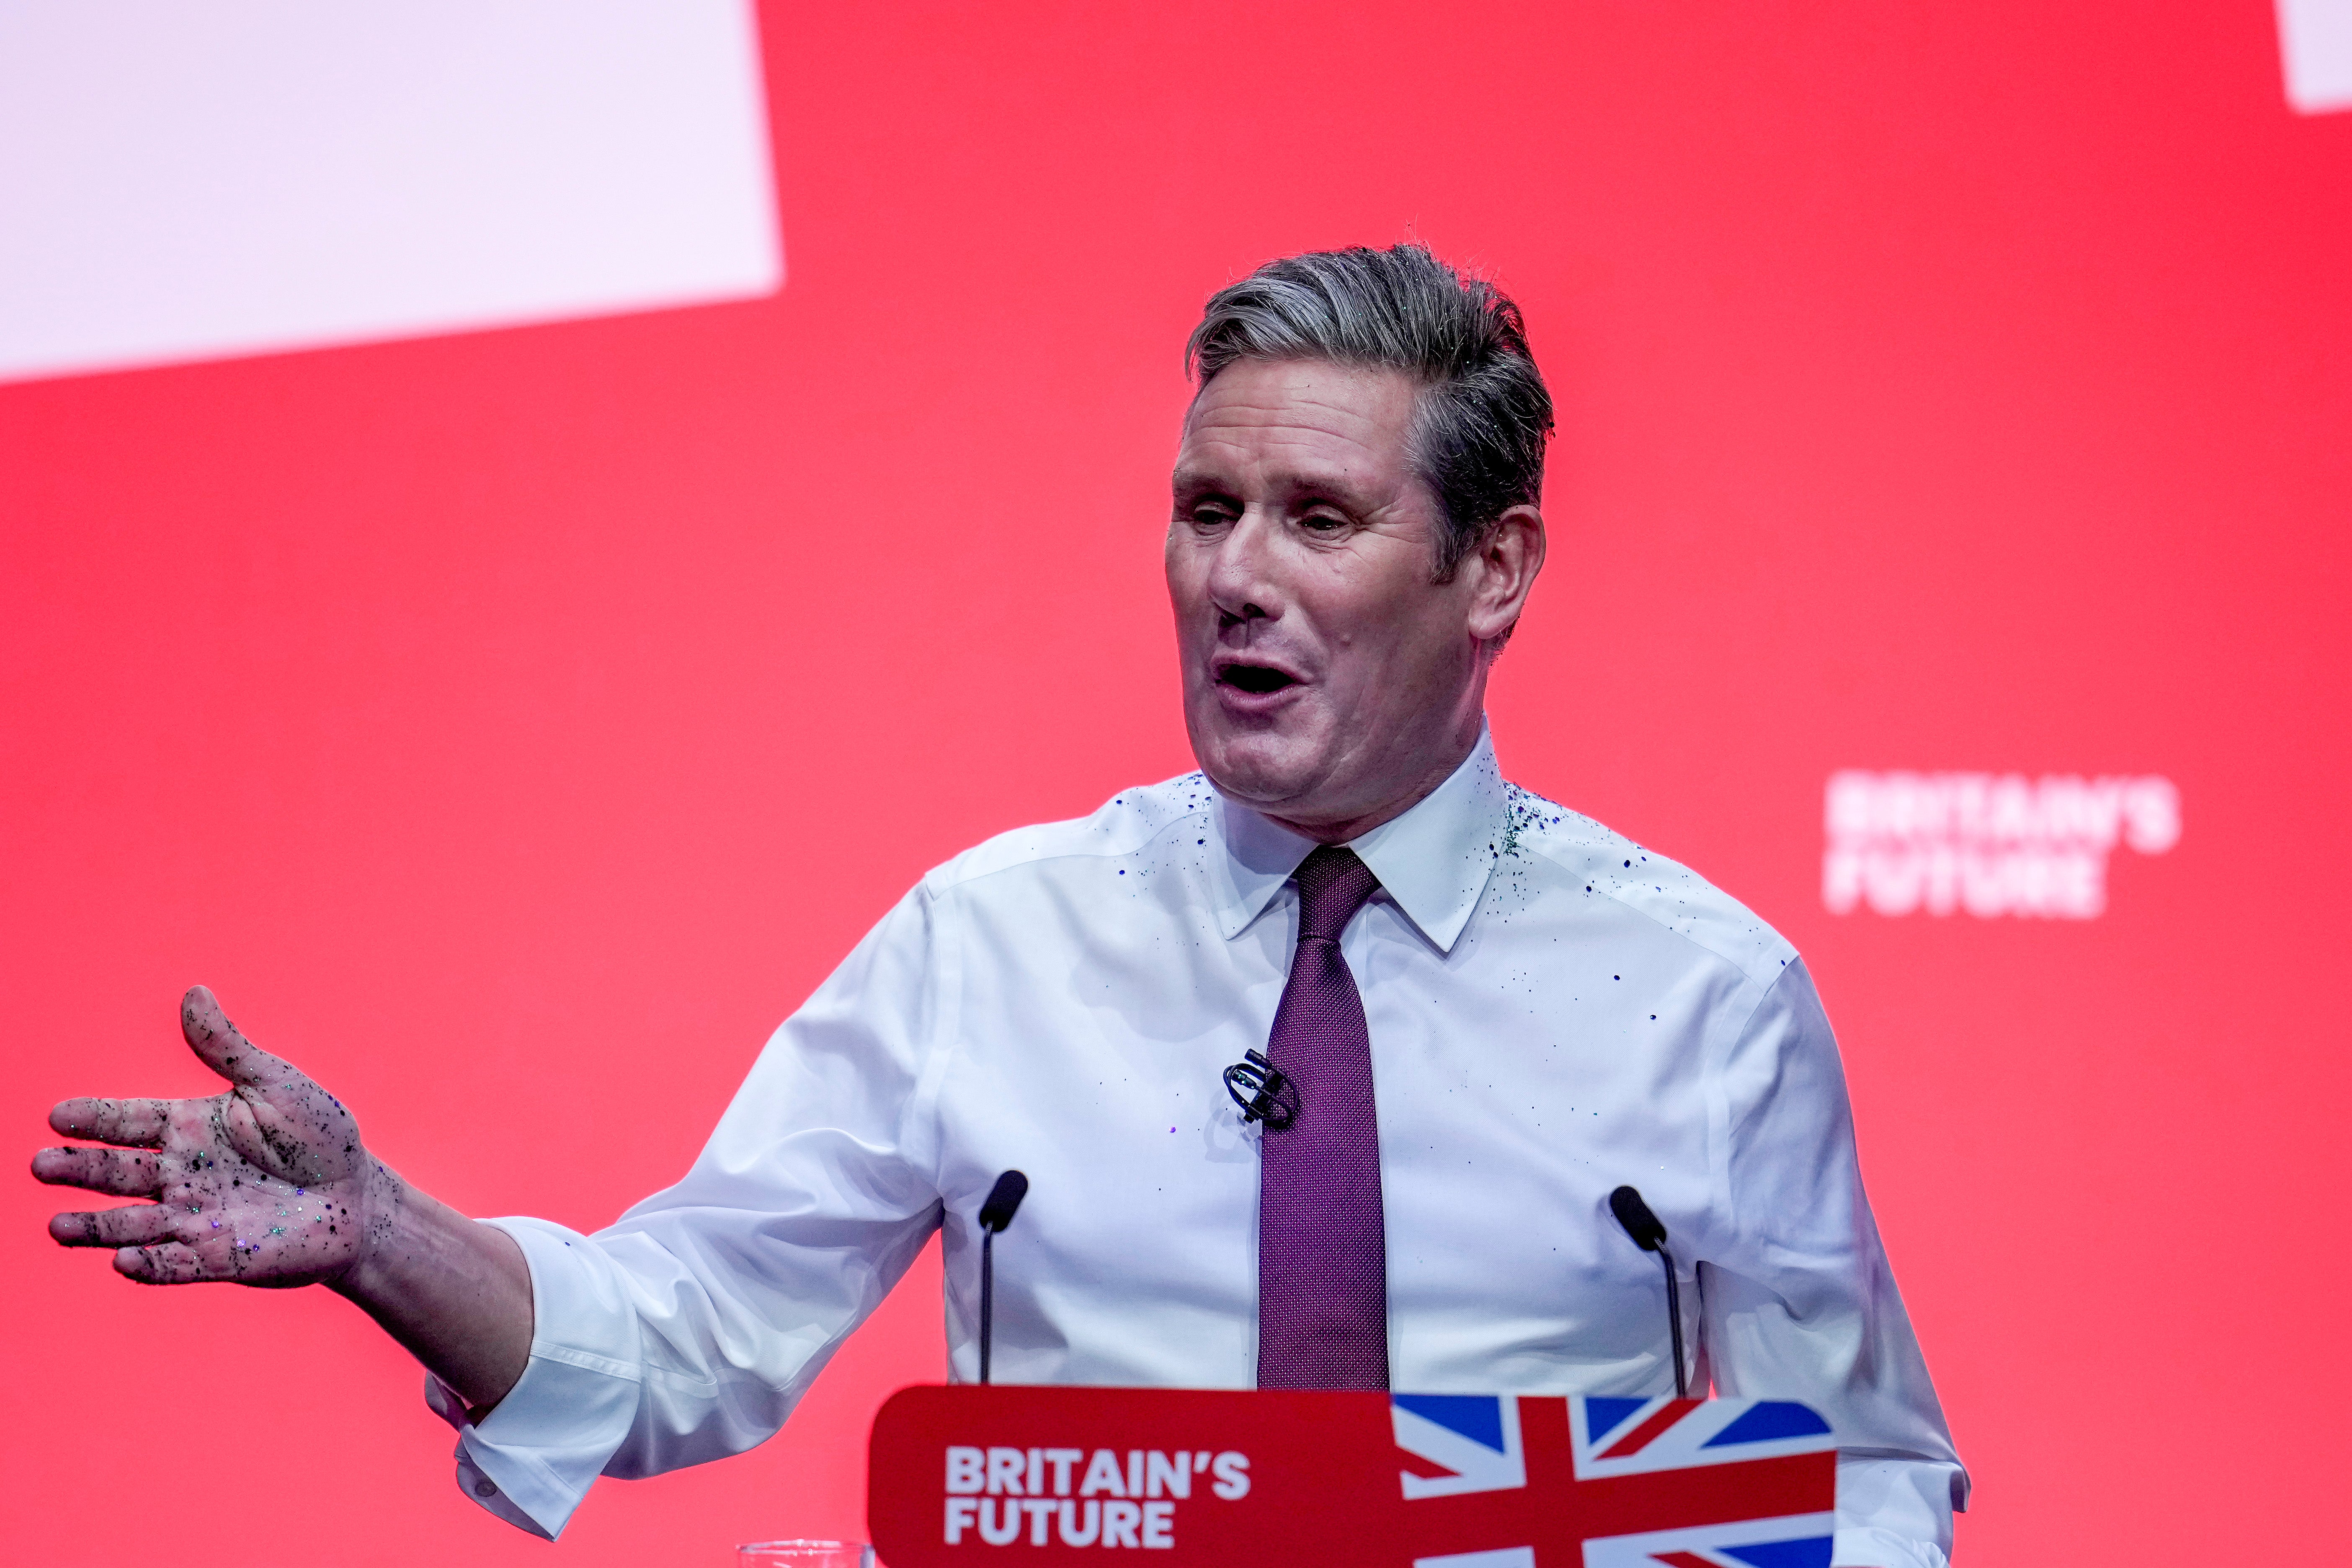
pixel 531 1460
pixel 446 1404
pixel 1883 1549
pixel 1894 1514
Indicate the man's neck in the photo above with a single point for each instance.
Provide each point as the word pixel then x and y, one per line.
pixel 1347 829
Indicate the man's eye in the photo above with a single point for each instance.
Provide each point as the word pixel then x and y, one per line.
pixel 1322 522
pixel 1207 514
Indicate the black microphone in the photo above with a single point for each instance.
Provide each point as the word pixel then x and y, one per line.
pixel 1651 1236
pixel 994 1214
pixel 1263 1090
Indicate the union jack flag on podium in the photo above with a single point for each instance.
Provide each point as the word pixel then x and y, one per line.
pixel 1620 1483
pixel 1240 1479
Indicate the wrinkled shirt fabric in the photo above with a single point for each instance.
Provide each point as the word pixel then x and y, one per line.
pixel 1554 1011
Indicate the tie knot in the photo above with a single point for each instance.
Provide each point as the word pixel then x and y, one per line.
pixel 1332 886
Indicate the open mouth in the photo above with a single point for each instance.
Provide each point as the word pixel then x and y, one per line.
pixel 1257 680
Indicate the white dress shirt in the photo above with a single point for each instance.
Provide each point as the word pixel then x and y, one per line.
pixel 1553 1012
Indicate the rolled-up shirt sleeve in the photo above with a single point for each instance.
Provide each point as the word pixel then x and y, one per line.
pixel 1798 1298
pixel 690 1328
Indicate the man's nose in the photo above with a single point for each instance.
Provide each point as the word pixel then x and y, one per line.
pixel 1241 576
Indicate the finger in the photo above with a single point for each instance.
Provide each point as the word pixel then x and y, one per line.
pixel 134 1226
pixel 173 1263
pixel 119 1172
pixel 140 1123
pixel 226 1050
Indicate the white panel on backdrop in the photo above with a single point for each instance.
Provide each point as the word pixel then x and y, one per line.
pixel 2315 37
pixel 188 181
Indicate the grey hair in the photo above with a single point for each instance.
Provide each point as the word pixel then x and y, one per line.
pixel 1485 414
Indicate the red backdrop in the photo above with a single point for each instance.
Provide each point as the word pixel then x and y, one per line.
pixel 514 727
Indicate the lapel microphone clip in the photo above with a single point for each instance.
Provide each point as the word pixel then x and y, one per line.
pixel 1261 1091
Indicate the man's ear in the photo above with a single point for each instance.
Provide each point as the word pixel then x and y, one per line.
pixel 1503 571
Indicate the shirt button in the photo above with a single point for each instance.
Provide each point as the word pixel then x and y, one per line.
pixel 486 1488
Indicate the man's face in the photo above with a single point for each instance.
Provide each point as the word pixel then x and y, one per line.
pixel 1329 681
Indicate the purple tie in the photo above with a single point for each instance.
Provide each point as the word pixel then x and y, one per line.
pixel 1322 1246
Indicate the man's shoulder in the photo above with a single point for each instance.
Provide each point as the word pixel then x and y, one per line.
pixel 1606 864
pixel 1128 823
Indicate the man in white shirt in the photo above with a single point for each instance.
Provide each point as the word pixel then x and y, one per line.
pixel 1492 1011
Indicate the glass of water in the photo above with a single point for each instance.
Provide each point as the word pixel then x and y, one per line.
pixel 804 1554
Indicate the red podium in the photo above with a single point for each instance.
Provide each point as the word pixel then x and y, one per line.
pixel 967 1475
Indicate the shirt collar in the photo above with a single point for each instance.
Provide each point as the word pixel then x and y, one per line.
pixel 1432 862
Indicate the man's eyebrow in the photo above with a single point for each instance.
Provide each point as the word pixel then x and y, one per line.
pixel 1289 484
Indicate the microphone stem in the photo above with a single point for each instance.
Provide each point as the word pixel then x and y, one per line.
pixel 1674 1323
pixel 988 1303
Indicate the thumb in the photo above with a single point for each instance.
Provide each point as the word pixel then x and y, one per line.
pixel 220 1047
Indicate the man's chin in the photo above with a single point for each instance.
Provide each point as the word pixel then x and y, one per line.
pixel 1264 771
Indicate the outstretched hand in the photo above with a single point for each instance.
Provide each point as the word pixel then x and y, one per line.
pixel 266 1184
pixel 269 1184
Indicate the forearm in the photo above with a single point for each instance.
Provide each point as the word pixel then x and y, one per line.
pixel 454 1291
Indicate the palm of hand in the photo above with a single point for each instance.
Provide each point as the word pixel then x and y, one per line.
pixel 266 1184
